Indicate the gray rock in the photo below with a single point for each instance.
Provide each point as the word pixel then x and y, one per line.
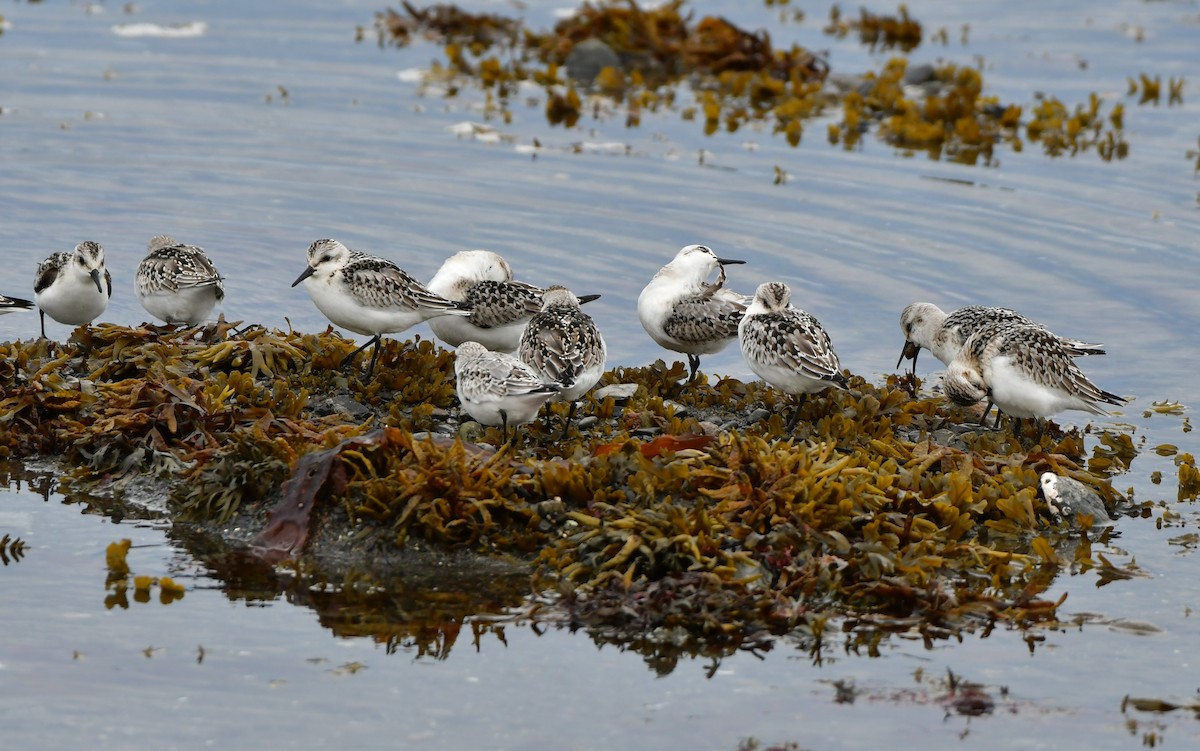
pixel 1069 498
pixel 341 404
pixel 620 392
pixel 844 83
pixel 915 75
pixel 949 437
pixel 587 422
pixel 588 58
pixel 758 415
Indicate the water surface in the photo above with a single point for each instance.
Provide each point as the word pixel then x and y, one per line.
pixel 117 139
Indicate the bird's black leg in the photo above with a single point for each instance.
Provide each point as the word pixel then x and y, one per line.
pixel 791 425
pixel 987 408
pixel 373 340
pixel 567 422
pixel 694 364
pixel 504 427
pixel 374 356
pixel 42 313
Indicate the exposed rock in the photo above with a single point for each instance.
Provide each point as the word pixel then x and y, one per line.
pixel 588 58
pixel 620 392
pixel 1069 499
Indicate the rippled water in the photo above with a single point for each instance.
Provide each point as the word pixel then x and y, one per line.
pixel 116 139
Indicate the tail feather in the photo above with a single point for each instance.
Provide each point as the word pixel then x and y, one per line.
pixel 1076 348
pixel 14 303
pixel 1111 398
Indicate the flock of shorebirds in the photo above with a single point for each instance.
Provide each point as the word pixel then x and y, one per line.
pixel 519 346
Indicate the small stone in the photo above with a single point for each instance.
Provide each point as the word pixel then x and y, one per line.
pixel 949 438
pixel 345 405
pixel 588 422
pixel 680 410
pixel 709 428
pixel 844 83
pixel 620 392
pixel 915 75
pixel 588 58
pixel 758 415
pixel 470 431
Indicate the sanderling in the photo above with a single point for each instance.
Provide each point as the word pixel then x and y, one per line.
pixel 368 295
pixel 73 288
pixel 497 389
pixel 1025 370
pixel 1069 498
pixel 500 306
pixel 12 304
pixel 178 283
pixel 562 344
pixel 684 313
pixel 926 325
pixel 787 347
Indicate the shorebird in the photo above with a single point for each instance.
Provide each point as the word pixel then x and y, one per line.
pixel 368 295
pixel 926 325
pixel 1025 370
pixel 563 345
pixel 73 287
pixel 497 389
pixel 787 347
pixel 177 283
pixel 500 306
pixel 683 312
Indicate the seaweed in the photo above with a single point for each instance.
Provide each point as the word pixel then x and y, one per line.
pixel 681 520
pixel 617 57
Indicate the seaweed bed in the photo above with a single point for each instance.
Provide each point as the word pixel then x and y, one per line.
pixel 615 58
pixel 683 520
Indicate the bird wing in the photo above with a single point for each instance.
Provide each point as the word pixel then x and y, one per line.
pixel 47 270
pixel 175 267
pixel 382 284
pixel 796 340
pixel 499 376
pixel 1041 354
pixel 501 303
pixel 714 313
pixel 561 344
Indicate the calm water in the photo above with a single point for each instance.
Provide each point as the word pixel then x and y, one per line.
pixel 116 139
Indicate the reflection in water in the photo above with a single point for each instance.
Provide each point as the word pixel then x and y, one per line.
pixel 417 603
pixel 12 549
